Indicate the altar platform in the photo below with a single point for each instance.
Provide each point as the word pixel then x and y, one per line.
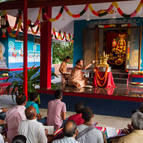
pixel 119 101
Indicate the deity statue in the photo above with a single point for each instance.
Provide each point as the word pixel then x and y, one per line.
pixel 103 60
pixel 118 54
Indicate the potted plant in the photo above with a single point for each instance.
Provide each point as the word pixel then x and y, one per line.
pixel 16 80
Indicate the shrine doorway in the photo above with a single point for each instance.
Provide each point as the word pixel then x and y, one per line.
pixel 123 45
pixel 115 45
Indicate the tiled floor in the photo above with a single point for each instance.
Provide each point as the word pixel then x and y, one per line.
pixel 102 120
pixel 116 122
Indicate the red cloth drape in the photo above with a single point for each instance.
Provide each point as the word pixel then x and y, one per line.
pixel 110 81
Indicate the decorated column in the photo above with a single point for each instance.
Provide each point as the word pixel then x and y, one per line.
pixel 45 63
pixel 25 50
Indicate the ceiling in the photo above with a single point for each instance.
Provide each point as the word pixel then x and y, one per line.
pixel 19 4
pixel 66 22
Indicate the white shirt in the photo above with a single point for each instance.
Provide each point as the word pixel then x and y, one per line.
pixel 66 140
pixel 33 131
pixel 92 136
pixel 1 139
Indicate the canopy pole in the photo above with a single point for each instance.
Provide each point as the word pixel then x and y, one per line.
pixel 25 50
pixel 45 51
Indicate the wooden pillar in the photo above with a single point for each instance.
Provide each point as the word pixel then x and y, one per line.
pixel 45 51
pixel 25 50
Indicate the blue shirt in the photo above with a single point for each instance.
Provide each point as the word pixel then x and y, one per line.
pixel 35 105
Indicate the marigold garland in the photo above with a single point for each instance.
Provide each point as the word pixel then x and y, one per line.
pixel 99 13
pixel 99 78
pixel 56 18
pixel 37 22
pixel 58 35
pixel 76 15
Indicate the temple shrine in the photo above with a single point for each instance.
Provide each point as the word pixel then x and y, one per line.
pixel 110 37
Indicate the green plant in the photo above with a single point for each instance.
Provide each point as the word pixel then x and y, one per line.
pixel 33 79
pixel 62 50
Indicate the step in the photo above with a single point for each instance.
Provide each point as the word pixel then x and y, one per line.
pixel 116 75
pixel 121 81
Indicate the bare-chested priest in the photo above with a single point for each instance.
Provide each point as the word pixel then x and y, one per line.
pixel 63 70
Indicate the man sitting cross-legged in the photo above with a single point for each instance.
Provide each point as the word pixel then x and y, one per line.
pixel 78 116
pixel 136 136
pixel 70 132
pixel 14 116
pixel 56 111
pixel 31 128
pixel 87 131
pixel 19 139
pixel 32 102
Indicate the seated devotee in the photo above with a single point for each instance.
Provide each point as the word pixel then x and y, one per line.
pixel 77 76
pixel 70 132
pixel 3 113
pixel 77 118
pixel 33 130
pixel 129 127
pixel 136 136
pixel 1 139
pixel 87 131
pixel 56 111
pixel 63 70
pixel 19 139
pixel 32 102
pixel 15 115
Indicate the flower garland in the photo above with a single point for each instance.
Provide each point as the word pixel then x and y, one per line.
pixel 99 13
pixel 99 78
pixel 62 36
pixel 114 25
pixel 37 22
pixel 55 18
pixel 128 15
pixel 7 25
pixel 76 15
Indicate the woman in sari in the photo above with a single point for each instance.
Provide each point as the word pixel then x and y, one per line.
pixel 77 75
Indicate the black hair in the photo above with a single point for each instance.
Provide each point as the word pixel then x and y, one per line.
pixel 67 58
pixel 87 114
pixel 20 99
pixel 33 96
pixel 78 61
pixel 79 107
pixel 19 139
pixel 29 115
pixel 141 108
pixel 58 94
pixel 69 132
